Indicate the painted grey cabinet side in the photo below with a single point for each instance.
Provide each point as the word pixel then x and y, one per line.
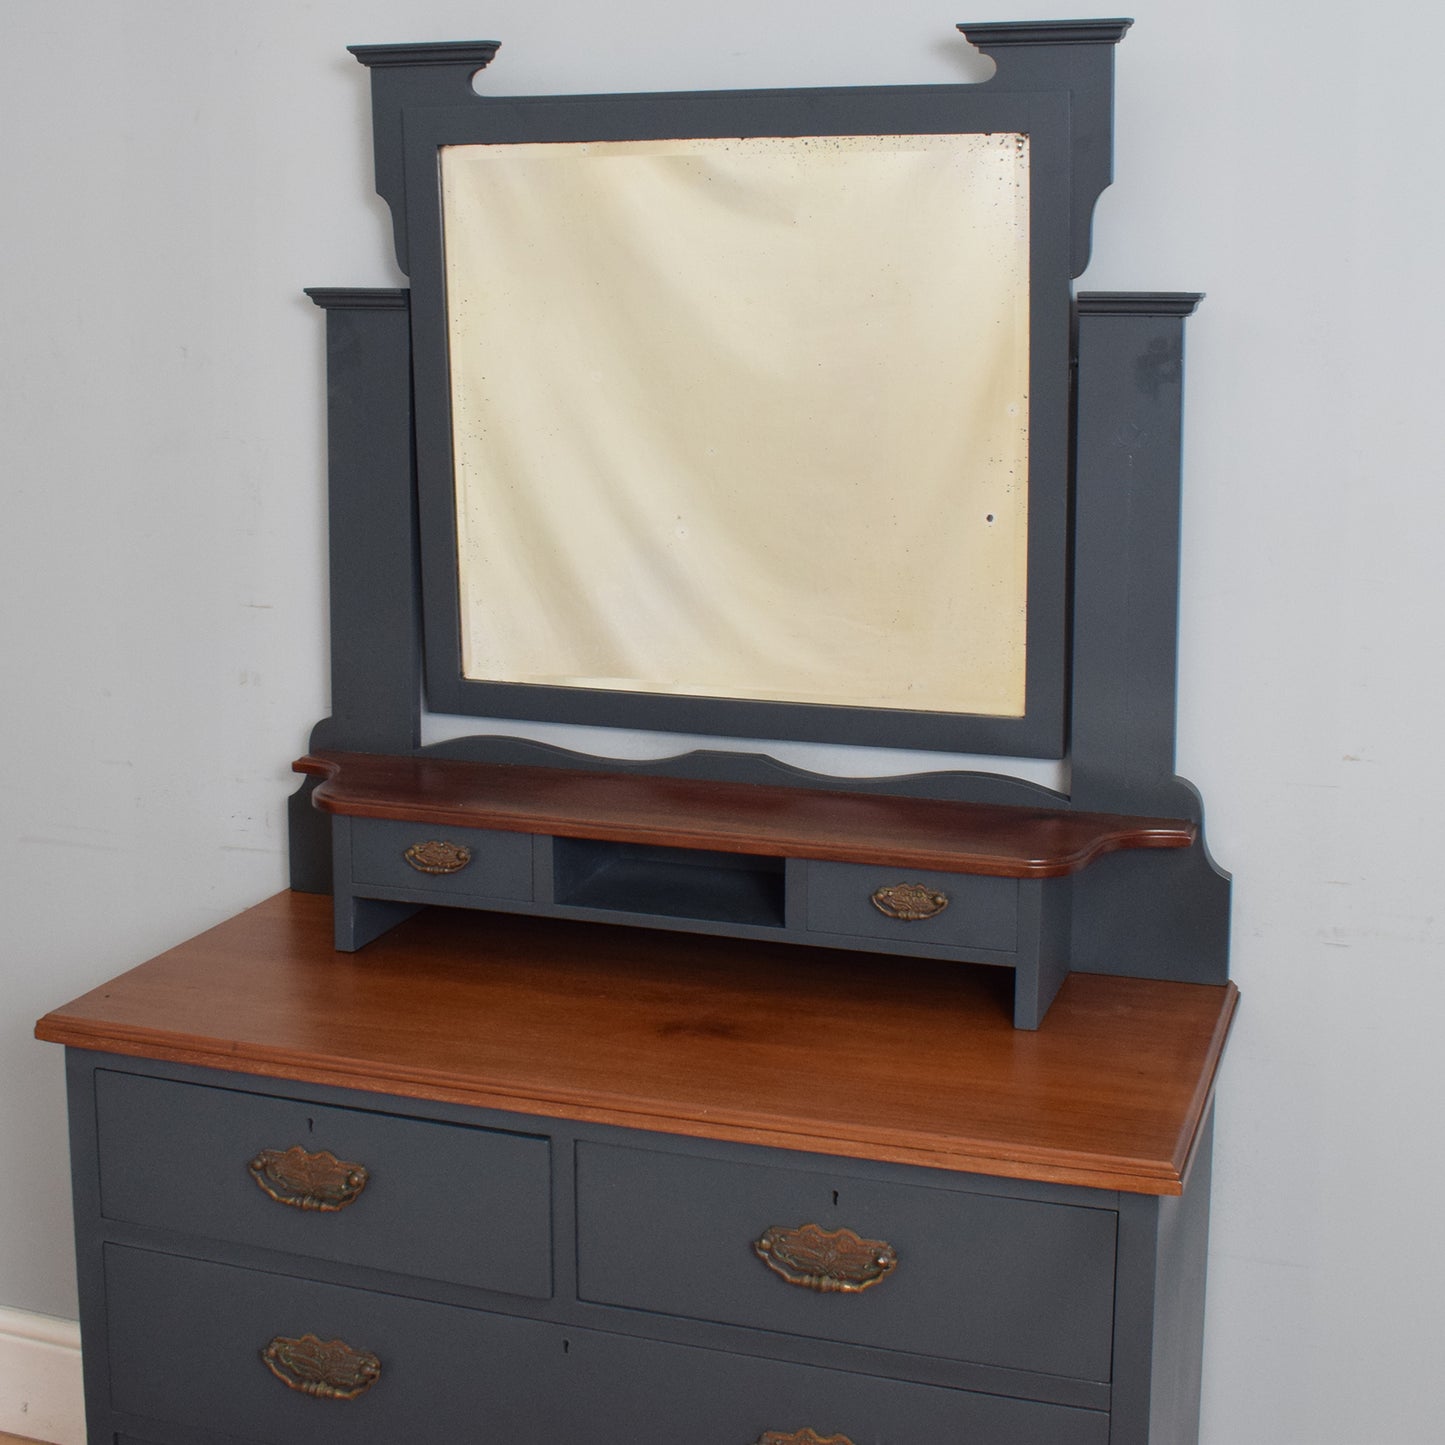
pixel 375 619
pixel 1147 916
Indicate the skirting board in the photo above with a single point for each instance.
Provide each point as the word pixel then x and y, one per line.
pixel 41 1396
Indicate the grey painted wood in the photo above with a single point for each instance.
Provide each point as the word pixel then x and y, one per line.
pixel 1043 947
pixel 1168 918
pixel 1058 90
pixel 444 1201
pixel 1018 924
pixel 375 610
pixel 500 864
pixel 729 767
pixel 1077 55
pixel 1009 1283
pixel 659 884
pixel 644 1393
pixel 1160 916
pixel 1127 504
pixel 1159 1328
pixel 637 1371
pixel 403 75
pixel 1150 914
pixel 981 912
pixel 356 920
pixel 90 1279
pixel 445 1371
pixel 186 1337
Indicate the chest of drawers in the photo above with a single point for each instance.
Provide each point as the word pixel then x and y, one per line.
pixel 667 1194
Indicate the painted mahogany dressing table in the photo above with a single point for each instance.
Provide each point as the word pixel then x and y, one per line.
pixel 542 1158
pixel 702 1097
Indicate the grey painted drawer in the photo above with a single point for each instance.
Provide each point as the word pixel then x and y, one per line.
pixel 499 864
pixel 186 1338
pixel 448 1374
pixel 981 913
pixel 443 1201
pixel 996 1281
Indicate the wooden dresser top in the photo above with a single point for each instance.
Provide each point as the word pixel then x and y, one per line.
pixel 825 1051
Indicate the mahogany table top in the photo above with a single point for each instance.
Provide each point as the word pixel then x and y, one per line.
pixel 821 1050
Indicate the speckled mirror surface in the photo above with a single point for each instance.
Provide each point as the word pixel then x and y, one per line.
pixel 744 418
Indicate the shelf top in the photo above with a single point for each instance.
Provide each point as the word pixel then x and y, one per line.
pixel 894 832
pixel 824 1051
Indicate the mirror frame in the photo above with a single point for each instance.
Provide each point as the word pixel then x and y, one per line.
pixel 1054 84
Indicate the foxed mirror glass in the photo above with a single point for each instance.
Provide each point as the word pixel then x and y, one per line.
pixel 744 418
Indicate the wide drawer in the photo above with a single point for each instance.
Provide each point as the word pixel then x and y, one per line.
pixel 991 1280
pixel 440 1201
pixel 472 862
pixel 962 911
pixel 186 1348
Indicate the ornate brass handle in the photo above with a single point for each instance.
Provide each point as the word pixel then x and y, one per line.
pixel 831 1263
pixel 308 1181
pixel 327 1369
pixel 438 856
pixel 801 1437
pixel 910 901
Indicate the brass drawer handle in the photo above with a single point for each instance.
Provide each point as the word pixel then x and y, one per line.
pixel 831 1263
pixel 438 856
pixel 801 1437
pixel 326 1369
pixel 910 901
pixel 308 1181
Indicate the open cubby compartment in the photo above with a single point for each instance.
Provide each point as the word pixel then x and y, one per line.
pixel 656 882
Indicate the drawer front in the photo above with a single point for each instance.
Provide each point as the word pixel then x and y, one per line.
pixel 641 1392
pixel 976 912
pixel 186 1342
pixel 187 1338
pixel 440 1201
pixel 462 861
pixel 1006 1282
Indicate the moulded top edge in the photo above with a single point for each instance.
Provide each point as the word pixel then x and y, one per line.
pixel 358 298
pixel 1139 303
pixel 444 52
pixel 1045 32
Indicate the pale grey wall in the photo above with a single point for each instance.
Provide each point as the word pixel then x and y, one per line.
pixel 174 173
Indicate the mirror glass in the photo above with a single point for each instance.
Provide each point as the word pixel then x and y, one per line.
pixel 744 418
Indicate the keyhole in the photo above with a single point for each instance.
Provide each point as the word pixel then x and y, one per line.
pixel 566 1347
pixel 311 1126
pixel 835 1199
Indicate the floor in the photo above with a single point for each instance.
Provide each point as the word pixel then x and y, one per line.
pixel 15 1440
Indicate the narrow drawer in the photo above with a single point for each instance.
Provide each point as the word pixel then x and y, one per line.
pixel 463 861
pixel 440 1201
pixel 851 898
pixel 1013 1283
pixel 187 1338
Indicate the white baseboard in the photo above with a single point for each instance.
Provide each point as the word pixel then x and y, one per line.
pixel 41 1396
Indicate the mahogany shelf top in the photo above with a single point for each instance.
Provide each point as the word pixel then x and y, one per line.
pixel 984 838
pixel 824 1051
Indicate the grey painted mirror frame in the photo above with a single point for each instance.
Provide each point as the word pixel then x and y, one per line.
pixel 1053 85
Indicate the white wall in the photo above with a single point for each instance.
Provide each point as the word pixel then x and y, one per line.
pixel 179 169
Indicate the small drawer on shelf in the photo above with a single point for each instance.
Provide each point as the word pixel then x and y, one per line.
pixel 1014 1283
pixel 413 1196
pixel 474 862
pixel 903 905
